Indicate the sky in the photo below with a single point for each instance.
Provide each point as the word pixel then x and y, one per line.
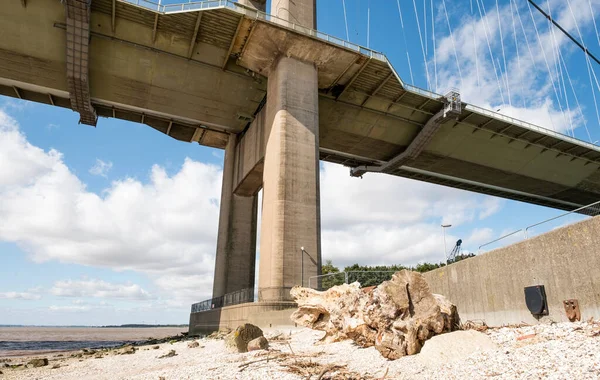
pixel 117 224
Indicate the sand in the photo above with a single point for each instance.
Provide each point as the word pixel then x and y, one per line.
pixel 555 351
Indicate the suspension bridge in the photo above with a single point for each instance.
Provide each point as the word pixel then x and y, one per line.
pixel 279 96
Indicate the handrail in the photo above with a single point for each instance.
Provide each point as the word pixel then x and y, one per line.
pixel 560 216
pixel 233 298
pixel 500 238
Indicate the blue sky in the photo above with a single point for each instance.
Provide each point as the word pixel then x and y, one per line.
pixel 117 224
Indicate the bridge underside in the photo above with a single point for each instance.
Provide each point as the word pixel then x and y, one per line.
pixel 199 76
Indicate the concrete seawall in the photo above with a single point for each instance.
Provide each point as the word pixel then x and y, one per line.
pixel 490 287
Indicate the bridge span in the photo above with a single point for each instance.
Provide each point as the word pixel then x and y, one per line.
pixel 278 96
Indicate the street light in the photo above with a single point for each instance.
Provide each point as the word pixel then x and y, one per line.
pixel 444 226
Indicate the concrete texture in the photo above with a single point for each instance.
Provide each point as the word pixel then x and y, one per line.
pixel 490 287
pixel 236 239
pixel 291 208
pixel 261 314
pixel 301 12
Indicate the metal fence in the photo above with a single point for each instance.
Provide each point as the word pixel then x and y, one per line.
pixel 564 219
pixel 234 298
pixel 365 278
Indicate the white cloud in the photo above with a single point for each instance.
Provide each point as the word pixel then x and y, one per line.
pixel 383 219
pixel 20 296
pixel 69 308
pixel 99 289
pixel 166 228
pixel 101 168
pixel 521 87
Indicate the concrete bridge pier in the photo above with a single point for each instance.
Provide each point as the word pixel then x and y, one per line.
pixel 279 153
pixel 236 239
pixel 291 202
pixel 291 205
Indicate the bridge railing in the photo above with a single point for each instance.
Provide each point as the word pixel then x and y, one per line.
pixel 563 220
pixel 253 13
pixel 233 298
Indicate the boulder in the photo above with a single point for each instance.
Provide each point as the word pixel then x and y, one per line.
pixel 454 346
pixel 396 317
pixel 238 340
pixel 260 343
pixel 193 344
pixel 38 363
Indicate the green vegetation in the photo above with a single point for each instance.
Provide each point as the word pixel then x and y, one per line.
pixel 372 275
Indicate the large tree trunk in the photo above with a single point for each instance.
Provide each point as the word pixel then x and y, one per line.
pixel 396 317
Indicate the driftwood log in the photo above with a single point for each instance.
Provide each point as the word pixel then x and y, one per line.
pixel 396 317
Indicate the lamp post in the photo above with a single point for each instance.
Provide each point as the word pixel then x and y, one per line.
pixel 302 253
pixel 444 226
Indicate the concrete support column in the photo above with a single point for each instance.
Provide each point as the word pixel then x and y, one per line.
pixel 236 240
pixel 301 12
pixel 291 204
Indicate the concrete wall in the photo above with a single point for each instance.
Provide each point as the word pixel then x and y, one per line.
pixel 489 287
pixel 261 314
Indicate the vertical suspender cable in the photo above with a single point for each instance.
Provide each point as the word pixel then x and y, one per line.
pixel 503 54
pixel 560 77
pixel 422 45
pixel 545 57
pixel 368 21
pixel 425 24
pixel 518 54
pixel 405 44
pixel 434 53
pixel 589 64
pixel 453 44
pixel 486 27
pixel 576 98
pixel 346 20
pixel 594 19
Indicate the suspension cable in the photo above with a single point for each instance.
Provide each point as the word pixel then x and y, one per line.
pixel 545 59
pixel 588 64
pixel 518 54
pixel 594 19
pixel 346 20
pixel 486 28
pixel 434 52
pixel 422 45
pixel 564 64
pixel 453 44
pixel 582 47
pixel 405 44
pixel 368 21
pixel 503 54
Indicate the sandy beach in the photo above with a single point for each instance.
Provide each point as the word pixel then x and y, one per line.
pixel 555 351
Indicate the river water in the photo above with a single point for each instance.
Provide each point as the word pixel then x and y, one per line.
pixel 21 341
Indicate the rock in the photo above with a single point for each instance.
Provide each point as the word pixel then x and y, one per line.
pixel 56 366
pixel 155 347
pixel 396 317
pixel 260 343
pixel 454 346
pixel 193 344
pixel 168 355
pixel 38 363
pixel 221 334
pixel 238 340
pixel 127 350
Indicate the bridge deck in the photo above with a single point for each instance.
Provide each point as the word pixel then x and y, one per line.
pixel 197 71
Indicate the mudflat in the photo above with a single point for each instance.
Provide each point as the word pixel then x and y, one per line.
pixel 25 341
